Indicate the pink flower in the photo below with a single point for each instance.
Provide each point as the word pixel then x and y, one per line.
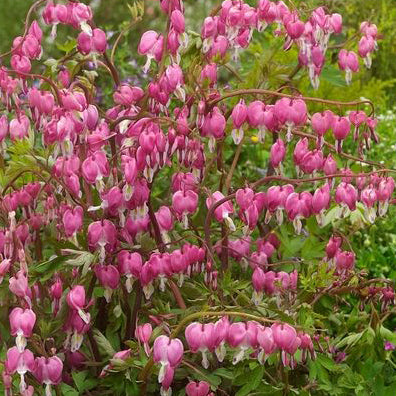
pixel 48 371
pixel 20 362
pixel 298 206
pixel 143 334
pixel 109 278
pixel 151 45
pixel 266 342
pixel 74 100
pixel 201 338
pixel 388 346
pixel 72 220
pixel 56 291
pixel 285 337
pixel 368 196
pixel 209 74
pixel 5 266
pixel 200 388
pixel 349 62
pixel 22 322
pixel 341 129
pixel 21 63
pixel 294 27
pixel 19 127
pixel 214 126
pixel 321 202
pixel 333 246
pixel 222 211
pixel 242 336
pixel 239 116
pixel 76 297
pixel 177 20
pixel 184 203
pixel 4 127
pixel 20 287
pixel 277 153
pixel 95 167
pixel 127 95
pixel 344 260
pixel 31 47
pixel 130 264
pixel 321 123
pixel 169 353
pixel 346 195
pixel 103 235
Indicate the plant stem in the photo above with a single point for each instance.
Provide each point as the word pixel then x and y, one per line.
pixel 136 307
pixel 112 68
pixel 176 293
pixel 95 349
pixel 233 167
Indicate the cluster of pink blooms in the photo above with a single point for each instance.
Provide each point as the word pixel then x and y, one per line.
pixel 373 192
pixel 46 370
pixel 240 250
pixel 103 163
pixel 385 295
pixel 344 260
pixel 349 61
pixel 160 266
pixel 263 280
pixel 74 14
pixel 233 29
pixel 245 338
pixel 27 48
pixel 271 283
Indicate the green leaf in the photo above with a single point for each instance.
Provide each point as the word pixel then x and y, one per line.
pixel 79 379
pixel 68 390
pixel 250 379
pixel 103 343
pixel 327 362
pixel 245 390
pixel 350 340
pixel 223 372
pixel 332 74
pixel 387 334
pixel 67 46
pixel 312 248
pixel 46 269
pixel 52 64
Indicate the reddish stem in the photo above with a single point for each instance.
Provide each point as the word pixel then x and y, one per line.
pixel 176 293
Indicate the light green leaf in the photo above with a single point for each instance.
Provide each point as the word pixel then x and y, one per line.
pixel 79 379
pixel 103 343
pixel 68 390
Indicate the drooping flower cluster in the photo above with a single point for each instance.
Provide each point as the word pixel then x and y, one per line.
pixel 247 338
